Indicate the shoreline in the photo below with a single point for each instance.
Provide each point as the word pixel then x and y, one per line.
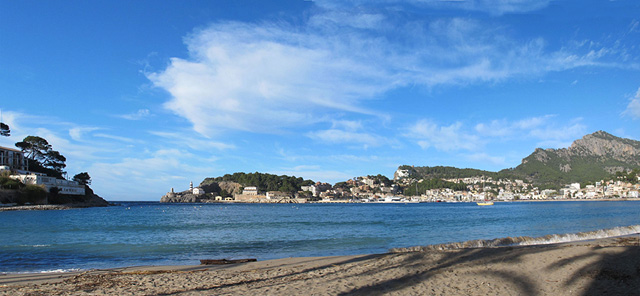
pixel 7 208
pixel 35 208
pixel 411 202
pixel 574 268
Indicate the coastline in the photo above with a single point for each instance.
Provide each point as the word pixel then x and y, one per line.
pixel 608 265
pixel 35 208
pixel 399 202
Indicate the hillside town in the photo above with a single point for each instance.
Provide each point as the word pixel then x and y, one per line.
pixel 381 189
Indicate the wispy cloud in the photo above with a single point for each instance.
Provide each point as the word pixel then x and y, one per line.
pixel 445 138
pixel 138 115
pixel 117 138
pixel 270 77
pixel 191 140
pixel 492 7
pixel 547 130
pixel 336 136
pixel 77 133
pixel 155 173
pixel 347 132
pixel 633 108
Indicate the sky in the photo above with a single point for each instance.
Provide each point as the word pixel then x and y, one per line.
pixel 150 95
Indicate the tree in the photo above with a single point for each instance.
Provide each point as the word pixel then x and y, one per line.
pixel 82 178
pixel 36 148
pixel 4 130
pixel 55 161
pixel 41 158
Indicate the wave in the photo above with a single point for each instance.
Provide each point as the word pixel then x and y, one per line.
pixel 60 270
pixel 527 240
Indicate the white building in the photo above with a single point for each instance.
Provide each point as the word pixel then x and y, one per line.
pixel 65 186
pixel 13 159
pixel 250 190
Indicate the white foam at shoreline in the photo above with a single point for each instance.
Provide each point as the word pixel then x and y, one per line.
pixel 527 240
pixel 46 271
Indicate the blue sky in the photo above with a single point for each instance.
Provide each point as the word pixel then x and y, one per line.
pixel 149 95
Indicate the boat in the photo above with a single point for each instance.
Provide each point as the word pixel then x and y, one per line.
pixel 484 203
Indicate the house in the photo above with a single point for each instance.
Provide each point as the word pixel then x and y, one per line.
pixel 13 159
pixel 65 186
pixel 250 190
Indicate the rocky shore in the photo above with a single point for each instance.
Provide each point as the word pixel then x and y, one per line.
pixel 8 200
pixel 34 208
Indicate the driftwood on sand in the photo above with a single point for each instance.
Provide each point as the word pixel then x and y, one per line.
pixel 225 261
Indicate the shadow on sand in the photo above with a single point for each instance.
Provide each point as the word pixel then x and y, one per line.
pixel 611 274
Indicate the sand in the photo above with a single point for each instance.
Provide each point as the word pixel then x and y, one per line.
pixel 600 267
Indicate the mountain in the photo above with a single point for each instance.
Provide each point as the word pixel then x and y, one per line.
pixel 594 157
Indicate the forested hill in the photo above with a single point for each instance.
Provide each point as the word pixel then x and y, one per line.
pixel 264 182
pixel 594 157
pixel 445 172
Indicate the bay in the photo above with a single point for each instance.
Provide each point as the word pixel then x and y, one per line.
pixel 150 233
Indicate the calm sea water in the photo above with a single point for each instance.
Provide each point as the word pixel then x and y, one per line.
pixel 147 233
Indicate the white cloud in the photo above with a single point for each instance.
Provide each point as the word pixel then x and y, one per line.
pixel 445 138
pixel 193 141
pixel 350 125
pixel 146 178
pixel 504 128
pixel 336 136
pixel 633 108
pixel 344 18
pixel 559 136
pixel 262 78
pixel 545 129
pixel 77 133
pixel 495 7
pixel 268 77
pixel 117 138
pixel 138 115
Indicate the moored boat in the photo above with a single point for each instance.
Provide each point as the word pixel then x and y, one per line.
pixel 484 203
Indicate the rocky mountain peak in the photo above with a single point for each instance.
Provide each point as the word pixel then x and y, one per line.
pixel 593 157
pixel 602 144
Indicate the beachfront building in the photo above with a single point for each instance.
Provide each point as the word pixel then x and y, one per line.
pixel 250 190
pixel 12 159
pixel 65 186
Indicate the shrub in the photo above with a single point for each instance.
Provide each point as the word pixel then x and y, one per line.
pixel 8 183
pixel 33 194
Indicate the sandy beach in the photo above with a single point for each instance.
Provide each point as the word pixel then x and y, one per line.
pixel 606 266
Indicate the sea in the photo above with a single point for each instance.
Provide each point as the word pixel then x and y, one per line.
pixel 152 233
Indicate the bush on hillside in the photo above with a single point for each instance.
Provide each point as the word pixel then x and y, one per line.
pixel 32 194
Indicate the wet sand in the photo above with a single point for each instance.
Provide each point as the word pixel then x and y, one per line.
pixel 606 266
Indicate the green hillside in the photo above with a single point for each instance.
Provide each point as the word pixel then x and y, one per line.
pixel 264 182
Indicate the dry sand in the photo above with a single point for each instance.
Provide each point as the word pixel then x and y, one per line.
pixel 601 267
